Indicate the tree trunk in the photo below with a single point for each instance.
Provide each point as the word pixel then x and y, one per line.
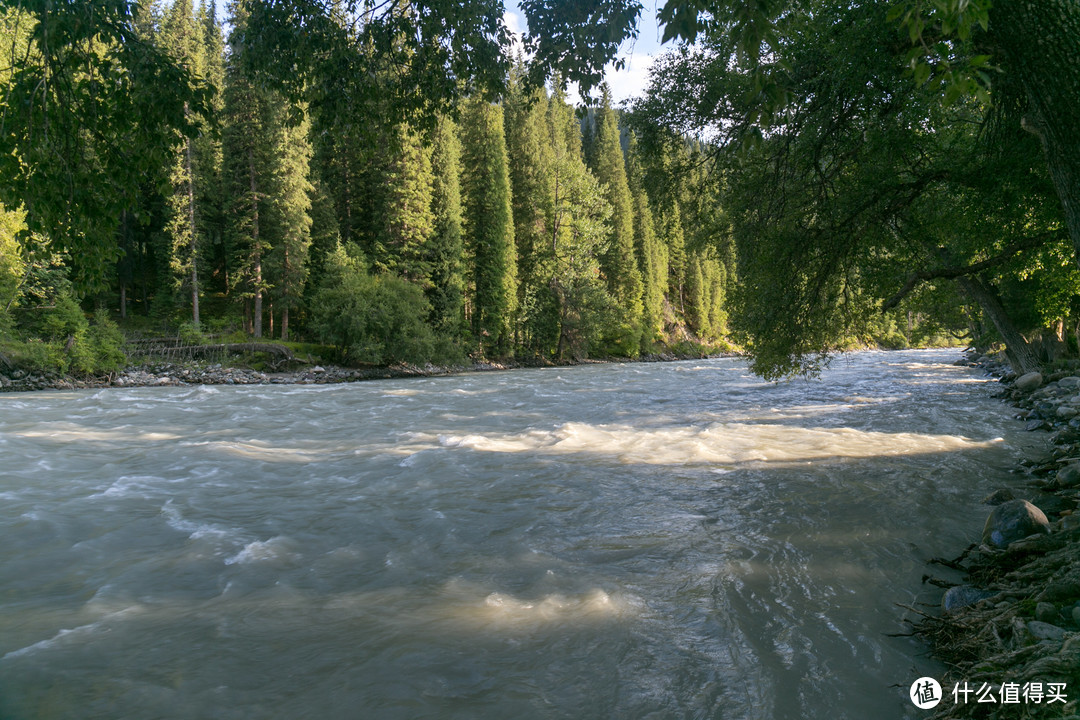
pixel 285 292
pixel 191 226
pixel 1040 39
pixel 256 259
pixel 123 301
pixel 1021 355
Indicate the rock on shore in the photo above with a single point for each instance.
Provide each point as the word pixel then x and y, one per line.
pixel 1016 618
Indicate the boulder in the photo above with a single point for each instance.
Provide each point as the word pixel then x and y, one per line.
pixel 963 596
pixel 1068 476
pixel 1013 520
pixel 1066 412
pixel 1060 591
pixel 1072 382
pixel 1028 382
pixel 998 497
pixel 1045 612
pixel 1045 631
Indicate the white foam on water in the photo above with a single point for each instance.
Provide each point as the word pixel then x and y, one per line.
pixel 718 443
pixel 195 530
pixel 276 549
pixel 79 633
pixel 129 486
pixel 401 392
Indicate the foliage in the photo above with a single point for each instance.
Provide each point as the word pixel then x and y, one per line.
pixel 87 110
pixel 618 263
pixel 372 318
pixel 12 265
pixel 489 225
pixel 444 250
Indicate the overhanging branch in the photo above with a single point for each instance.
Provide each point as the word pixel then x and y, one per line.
pixel 951 273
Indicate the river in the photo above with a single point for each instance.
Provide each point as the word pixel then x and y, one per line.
pixel 669 540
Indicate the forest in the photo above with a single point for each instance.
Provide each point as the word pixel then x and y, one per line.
pixel 402 182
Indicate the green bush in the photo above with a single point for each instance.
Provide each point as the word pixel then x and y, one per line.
pixel 191 334
pixel 372 319
pixel 106 344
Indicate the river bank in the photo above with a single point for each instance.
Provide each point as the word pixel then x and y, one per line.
pixel 1010 631
pixel 152 374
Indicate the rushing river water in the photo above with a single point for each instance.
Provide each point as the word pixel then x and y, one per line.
pixel 676 540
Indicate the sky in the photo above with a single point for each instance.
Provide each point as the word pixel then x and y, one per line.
pixel 632 80
pixel 625 84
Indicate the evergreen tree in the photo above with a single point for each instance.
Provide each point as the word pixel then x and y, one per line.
pixel 582 309
pixel 618 263
pixel 210 190
pixel 325 236
pixel 531 178
pixel 650 252
pixel 675 241
pixel 248 135
pixel 445 292
pixel 406 217
pixel 489 225
pixel 183 40
pixel 291 217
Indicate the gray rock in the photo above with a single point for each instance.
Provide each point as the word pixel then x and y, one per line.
pixel 1071 381
pixel 1066 412
pixel 1028 382
pixel 1045 631
pixel 998 497
pixel 1012 521
pixel 1068 476
pixel 963 596
pixel 1059 592
pixel 1045 612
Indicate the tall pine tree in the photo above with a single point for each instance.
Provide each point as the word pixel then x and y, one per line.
pixel 182 38
pixel 489 225
pixel 618 263
pixel 291 215
pixel 531 179
pixel 650 252
pixel 444 250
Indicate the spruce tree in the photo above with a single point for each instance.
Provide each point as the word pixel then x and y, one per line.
pixel 583 310
pixel 183 39
pixel 406 217
pixel 443 255
pixel 489 225
pixel 650 252
pixel 291 216
pixel 675 241
pixel 210 189
pixel 248 141
pixel 531 179
pixel 618 263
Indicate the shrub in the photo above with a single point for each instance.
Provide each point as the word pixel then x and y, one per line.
pixel 373 319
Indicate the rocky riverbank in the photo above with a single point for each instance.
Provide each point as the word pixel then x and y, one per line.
pixel 1011 632
pixel 154 374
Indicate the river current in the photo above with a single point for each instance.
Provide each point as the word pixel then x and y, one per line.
pixel 671 540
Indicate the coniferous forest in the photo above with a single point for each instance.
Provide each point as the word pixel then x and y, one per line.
pixel 399 182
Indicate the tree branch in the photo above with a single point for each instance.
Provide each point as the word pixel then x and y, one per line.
pixel 951 273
